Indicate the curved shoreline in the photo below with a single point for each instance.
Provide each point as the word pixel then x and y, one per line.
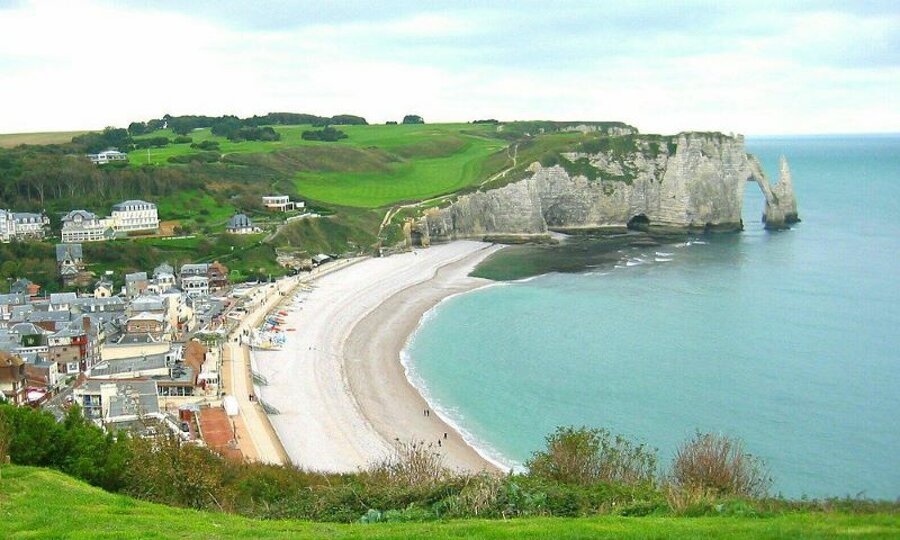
pixel 342 394
pixel 485 451
pixel 403 312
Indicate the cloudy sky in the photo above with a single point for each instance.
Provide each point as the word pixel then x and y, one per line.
pixel 755 67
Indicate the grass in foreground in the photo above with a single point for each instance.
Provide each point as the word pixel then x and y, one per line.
pixel 39 503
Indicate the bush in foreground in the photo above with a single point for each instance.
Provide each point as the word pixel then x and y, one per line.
pixel 587 456
pixel 715 465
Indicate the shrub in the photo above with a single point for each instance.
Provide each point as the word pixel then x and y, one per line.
pixel 587 456
pixel 411 464
pixel 206 145
pixel 413 119
pixel 327 134
pixel 165 470
pixel 200 157
pixel 719 466
pixel 181 139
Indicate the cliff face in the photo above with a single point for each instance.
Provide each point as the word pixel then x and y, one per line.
pixel 694 181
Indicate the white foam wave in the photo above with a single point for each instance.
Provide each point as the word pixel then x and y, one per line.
pixel 453 418
pixel 449 415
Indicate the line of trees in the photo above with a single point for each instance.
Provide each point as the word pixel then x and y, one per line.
pixel 182 125
pixel 41 180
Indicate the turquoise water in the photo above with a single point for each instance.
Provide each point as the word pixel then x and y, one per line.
pixel 787 340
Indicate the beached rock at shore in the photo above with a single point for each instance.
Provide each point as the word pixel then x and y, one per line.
pixel 693 181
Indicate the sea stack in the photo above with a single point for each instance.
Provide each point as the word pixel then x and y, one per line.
pixel 781 206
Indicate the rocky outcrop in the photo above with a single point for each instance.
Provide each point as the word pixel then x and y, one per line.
pixel 781 202
pixel 690 181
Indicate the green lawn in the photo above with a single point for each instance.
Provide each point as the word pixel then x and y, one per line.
pixel 389 164
pixel 406 180
pixel 39 503
pixel 195 204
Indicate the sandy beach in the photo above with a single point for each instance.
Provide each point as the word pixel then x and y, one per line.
pixel 341 393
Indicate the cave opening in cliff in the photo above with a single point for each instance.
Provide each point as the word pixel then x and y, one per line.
pixel 639 222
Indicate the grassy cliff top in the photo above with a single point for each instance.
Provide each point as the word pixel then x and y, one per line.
pixel 39 503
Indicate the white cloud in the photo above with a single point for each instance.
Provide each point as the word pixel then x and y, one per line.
pixel 86 64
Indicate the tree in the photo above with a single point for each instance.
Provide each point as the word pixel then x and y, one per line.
pixel 413 119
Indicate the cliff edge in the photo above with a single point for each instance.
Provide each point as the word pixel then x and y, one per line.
pixel 691 181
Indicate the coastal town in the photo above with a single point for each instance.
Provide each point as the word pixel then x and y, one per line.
pixel 144 352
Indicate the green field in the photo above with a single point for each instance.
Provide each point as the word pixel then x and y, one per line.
pixel 9 140
pixel 196 205
pixel 375 166
pixel 39 503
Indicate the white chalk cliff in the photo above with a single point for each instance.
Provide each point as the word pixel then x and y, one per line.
pixel 693 181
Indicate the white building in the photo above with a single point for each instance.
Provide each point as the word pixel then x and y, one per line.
pixel 84 226
pixel 195 286
pixel 281 203
pixel 135 215
pixel 107 156
pixel 22 226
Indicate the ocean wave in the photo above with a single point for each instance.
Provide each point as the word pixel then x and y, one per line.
pixel 663 259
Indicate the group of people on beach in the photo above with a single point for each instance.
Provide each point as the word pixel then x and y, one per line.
pixel 427 413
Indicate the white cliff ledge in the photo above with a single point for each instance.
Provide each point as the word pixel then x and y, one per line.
pixel 693 181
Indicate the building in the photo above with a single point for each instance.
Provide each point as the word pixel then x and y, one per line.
pixel 195 286
pixel 240 224
pixel 69 348
pixel 21 226
pixel 281 203
pixel 135 216
pixel 84 226
pixel 153 324
pixel 164 277
pixel 107 156
pixel 12 378
pixel 136 284
pixel 69 261
pixel 215 273
pixel 104 289
pixel 25 286
pixel 193 269
pixel 8 302
pixel 218 275
pixel 109 400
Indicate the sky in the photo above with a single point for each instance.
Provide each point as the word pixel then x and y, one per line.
pixel 755 67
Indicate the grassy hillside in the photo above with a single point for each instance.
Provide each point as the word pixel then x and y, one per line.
pixel 9 140
pixel 354 183
pixel 39 503
pixel 374 167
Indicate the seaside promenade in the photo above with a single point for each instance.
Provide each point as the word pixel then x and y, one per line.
pixel 256 438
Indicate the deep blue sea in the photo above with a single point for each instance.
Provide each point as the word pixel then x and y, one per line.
pixel 788 340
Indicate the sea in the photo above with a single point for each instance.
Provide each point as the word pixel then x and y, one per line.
pixel 789 341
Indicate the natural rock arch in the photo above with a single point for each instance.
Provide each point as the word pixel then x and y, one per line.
pixel 781 203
